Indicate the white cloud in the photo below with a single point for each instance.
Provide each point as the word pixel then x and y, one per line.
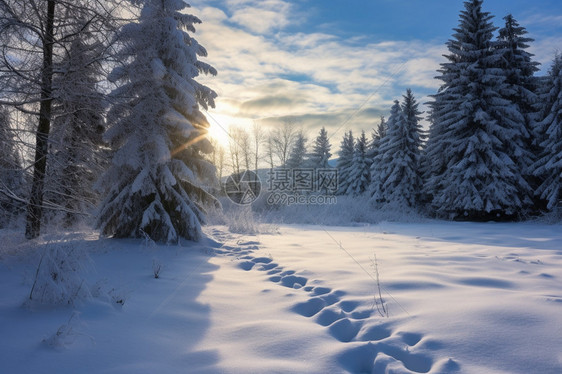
pixel 544 49
pixel 260 16
pixel 316 77
pixel 541 20
pixel 546 42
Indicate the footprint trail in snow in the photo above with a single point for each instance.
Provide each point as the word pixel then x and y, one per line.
pixel 375 345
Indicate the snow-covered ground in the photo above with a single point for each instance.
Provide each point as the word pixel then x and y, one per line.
pixel 461 297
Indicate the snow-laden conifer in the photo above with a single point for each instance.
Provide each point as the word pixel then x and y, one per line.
pixel 76 156
pixel 359 175
pixel 376 136
pixel 297 157
pixel 472 168
pixel 320 150
pixel 374 145
pixel 548 167
pixel 396 176
pixel 345 162
pixel 521 89
pixel 155 185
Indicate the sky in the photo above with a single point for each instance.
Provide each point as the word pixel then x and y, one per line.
pixel 339 64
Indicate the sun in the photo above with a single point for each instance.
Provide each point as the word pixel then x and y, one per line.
pixel 221 126
pixel 218 129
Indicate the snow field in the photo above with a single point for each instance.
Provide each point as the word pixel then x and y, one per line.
pixel 472 298
pixel 462 297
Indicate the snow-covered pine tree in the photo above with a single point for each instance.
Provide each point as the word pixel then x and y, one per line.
pixel 396 167
pixel 381 128
pixel 416 134
pixel 76 156
pixel 320 151
pixel 297 157
pixel 379 172
pixel 548 167
pixel 475 128
pixel 345 162
pixel 376 136
pixel 359 174
pixel 155 182
pixel 521 90
pixel 434 161
pixel 373 149
pixel 415 137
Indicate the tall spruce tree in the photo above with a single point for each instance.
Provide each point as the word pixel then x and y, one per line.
pixel 297 157
pixel 521 90
pixel 475 128
pixel 548 167
pixel 414 129
pixel 359 175
pixel 77 156
pixel 376 136
pixel 345 162
pixel 374 146
pixel 395 173
pixel 321 150
pixel 415 136
pixel 154 184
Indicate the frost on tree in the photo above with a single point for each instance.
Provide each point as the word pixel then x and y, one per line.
pixel 548 167
pixel 11 173
pixel 359 175
pixel 395 173
pixel 36 35
pixel 297 157
pixel 374 147
pixel 345 162
pixel 156 182
pixel 76 155
pixel 521 90
pixel 376 137
pixel 321 150
pixel 475 131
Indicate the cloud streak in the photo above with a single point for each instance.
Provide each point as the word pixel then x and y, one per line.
pixel 268 73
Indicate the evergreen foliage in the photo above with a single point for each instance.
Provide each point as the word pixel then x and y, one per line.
pixel 157 176
pixel 345 162
pixel 359 174
pixel 297 157
pixel 374 146
pixel 76 156
pixel 548 167
pixel 376 136
pixel 476 131
pixel 321 150
pixel 395 173
pixel 521 91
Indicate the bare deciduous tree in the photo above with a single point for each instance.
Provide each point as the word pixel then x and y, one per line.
pixel 282 139
pixel 34 35
pixel 258 138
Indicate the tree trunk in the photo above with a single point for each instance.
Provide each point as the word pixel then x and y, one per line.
pixel 35 206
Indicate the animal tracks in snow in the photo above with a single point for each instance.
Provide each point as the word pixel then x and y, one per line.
pixel 374 344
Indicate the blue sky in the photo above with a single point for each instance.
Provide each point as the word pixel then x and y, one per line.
pixel 339 64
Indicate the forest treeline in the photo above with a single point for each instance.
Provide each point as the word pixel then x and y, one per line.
pixel 102 122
